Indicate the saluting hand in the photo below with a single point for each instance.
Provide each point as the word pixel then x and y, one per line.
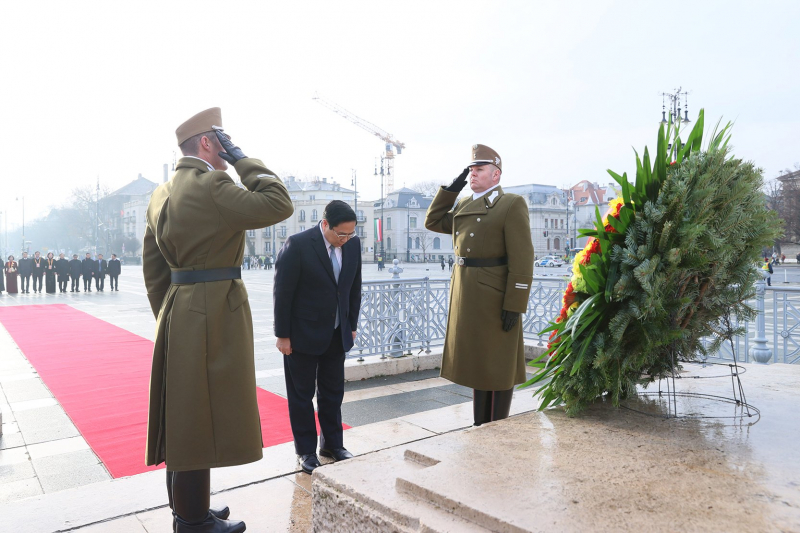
pixel 459 183
pixel 232 153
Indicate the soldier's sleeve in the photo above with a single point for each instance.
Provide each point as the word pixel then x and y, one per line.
pixel 265 202
pixel 156 271
pixel 439 217
pixel 520 257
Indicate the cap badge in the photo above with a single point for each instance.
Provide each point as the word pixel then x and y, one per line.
pixel 496 160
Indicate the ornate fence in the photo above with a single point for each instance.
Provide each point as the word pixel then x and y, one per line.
pixel 407 316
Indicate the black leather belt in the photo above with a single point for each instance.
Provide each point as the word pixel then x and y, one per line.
pixel 485 262
pixel 183 277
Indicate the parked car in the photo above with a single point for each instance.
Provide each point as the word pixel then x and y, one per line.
pixel 549 261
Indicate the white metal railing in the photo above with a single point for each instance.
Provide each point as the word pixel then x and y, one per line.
pixel 406 316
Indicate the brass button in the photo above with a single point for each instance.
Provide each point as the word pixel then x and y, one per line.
pixel 479 219
pixel 471 234
pixel 456 233
pixel 468 249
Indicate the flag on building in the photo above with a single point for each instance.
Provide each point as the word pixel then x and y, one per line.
pixel 378 230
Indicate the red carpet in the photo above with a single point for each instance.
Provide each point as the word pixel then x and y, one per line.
pixel 100 374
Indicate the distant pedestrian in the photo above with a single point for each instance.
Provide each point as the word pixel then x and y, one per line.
pixel 450 264
pixel 11 271
pixel 75 270
pixel 797 258
pixel 114 270
pixel 442 263
pixel 783 258
pixel 62 271
pixel 767 266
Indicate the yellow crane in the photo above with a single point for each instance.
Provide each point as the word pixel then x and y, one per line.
pixel 390 142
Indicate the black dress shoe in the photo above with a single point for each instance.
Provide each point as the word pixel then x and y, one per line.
pixel 211 524
pixel 308 462
pixel 337 454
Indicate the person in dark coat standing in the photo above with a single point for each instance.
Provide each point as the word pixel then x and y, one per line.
pixel 50 273
pixel 25 271
pixel 38 272
pixel 11 270
pixel 62 271
pixel 88 268
pixel 317 298
pixel 75 273
pixel 100 273
pixel 114 270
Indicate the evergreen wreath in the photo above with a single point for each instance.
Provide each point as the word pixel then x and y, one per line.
pixel 672 262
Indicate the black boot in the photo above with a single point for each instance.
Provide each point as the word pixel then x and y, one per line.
pixel 222 512
pixel 191 492
pixel 501 403
pixel 481 406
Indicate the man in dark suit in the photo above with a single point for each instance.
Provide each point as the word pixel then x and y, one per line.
pixel 62 271
pixel 100 273
pixel 114 269
pixel 38 272
pixel 317 298
pixel 88 268
pixel 25 271
pixel 75 273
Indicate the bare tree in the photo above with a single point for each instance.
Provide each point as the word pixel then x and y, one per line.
pixel 427 187
pixel 425 241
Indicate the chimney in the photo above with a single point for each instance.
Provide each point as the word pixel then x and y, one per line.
pixel 166 176
pixel 324 180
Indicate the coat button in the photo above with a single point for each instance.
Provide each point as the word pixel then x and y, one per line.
pixel 456 233
pixel 456 247
pixel 479 219
pixel 471 234
pixel 468 249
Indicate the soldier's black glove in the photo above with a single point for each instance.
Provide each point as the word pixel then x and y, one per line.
pixel 509 319
pixel 459 182
pixel 232 153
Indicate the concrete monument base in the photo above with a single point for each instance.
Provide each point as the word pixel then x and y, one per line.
pixel 608 469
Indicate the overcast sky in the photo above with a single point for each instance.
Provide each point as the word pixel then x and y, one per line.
pixel 562 90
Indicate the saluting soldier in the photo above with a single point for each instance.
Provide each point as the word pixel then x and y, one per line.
pixel 203 412
pixel 489 286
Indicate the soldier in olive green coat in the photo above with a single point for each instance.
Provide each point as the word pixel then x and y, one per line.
pixel 490 284
pixel 203 411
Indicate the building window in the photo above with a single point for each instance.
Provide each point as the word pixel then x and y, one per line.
pixel 302 215
pixel 267 247
pixel 562 223
pixel 389 223
pixel 268 232
pixel 413 223
pixel 553 201
pixel 548 244
pixel 283 233
pixel 437 244
pixel 302 228
pixel 251 233
pixel 389 243
pixel 557 243
pixel 545 223
pixel 311 197
pixel 417 243
pixel 313 214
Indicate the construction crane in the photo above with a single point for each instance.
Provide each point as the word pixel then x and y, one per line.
pixel 390 142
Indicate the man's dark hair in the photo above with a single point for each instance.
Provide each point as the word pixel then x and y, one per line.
pixel 113 255
pixel 337 212
pixel 191 146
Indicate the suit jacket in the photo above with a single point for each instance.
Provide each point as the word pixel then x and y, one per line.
pixel 114 267
pixel 62 269
pixel 203 409
pixel 89 267
pixel 75 268
pixel 39 270
pixel 306 294
pixel 102 268
pixel 25 267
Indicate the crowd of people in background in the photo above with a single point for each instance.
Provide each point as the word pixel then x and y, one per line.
pixel 256 262
pixel 58 273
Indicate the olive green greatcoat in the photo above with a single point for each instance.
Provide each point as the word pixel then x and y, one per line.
pixel 203 410
pixel 477 352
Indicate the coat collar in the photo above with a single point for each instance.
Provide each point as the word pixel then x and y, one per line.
pixel 321 249
pixel 192 162
pixel 481 206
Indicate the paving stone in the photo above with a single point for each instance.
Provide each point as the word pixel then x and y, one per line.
pixel 23 390
pixel 159 520
pixel 53 464
pixel 57 447
pixel 16 472
pixel 74 477
pixel 45 424
pixel 11 440
pixel 128 524
pixel 13 456
pixel 16 490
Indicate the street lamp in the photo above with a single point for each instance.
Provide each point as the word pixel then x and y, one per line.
pixel 675 107
pixel 384 172
pixel 23 222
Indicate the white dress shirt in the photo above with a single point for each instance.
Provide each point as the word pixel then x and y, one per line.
pixel 210 168
pixel 477 195
pixel 328 245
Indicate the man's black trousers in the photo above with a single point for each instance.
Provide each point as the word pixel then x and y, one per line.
pixel 114 280
pixel 99 282
pixel 75 283
pixel 37 283
pixel 26 283
pixel 87 283
pixel 325 374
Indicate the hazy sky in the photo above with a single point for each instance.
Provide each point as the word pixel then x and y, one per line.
pixel 562 90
